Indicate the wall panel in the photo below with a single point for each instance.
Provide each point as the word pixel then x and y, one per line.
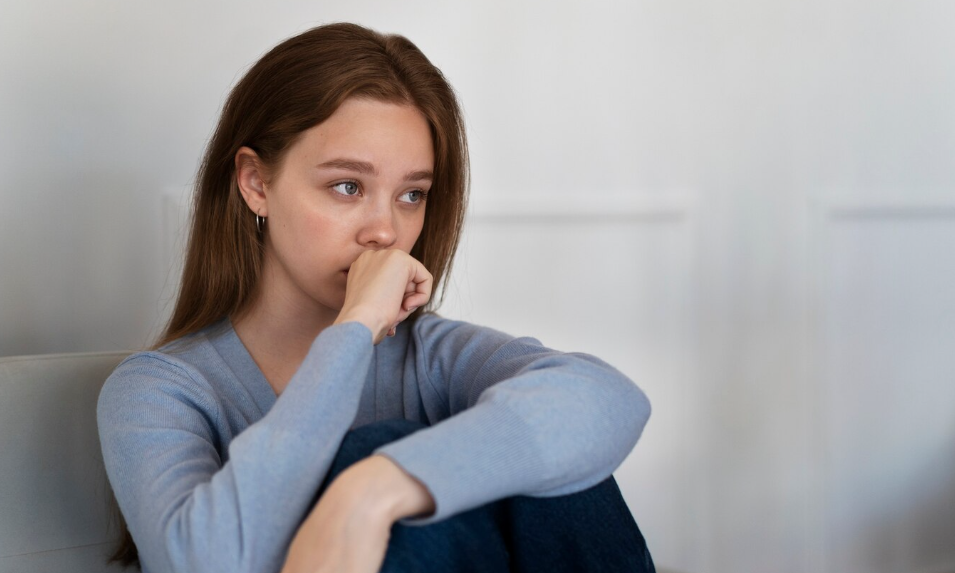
pixel 615 280
pixel 885 366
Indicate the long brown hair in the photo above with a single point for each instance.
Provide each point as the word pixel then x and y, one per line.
pixel 295 86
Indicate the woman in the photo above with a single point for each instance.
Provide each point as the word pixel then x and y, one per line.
pixel 305 410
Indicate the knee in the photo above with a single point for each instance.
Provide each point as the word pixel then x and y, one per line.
pixel 362 441
pixel 371 436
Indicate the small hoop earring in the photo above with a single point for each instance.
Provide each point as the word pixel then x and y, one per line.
pixel 259 222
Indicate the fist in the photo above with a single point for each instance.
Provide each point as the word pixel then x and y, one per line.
pixel 383 288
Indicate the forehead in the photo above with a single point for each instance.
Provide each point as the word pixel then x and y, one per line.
pixel 387 135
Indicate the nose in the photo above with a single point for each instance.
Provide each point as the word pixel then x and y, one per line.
pixel 377 230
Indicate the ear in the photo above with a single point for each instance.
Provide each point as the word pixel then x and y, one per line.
pixel 250 177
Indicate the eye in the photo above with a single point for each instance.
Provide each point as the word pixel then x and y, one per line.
pixel 349 188
pixel 420 198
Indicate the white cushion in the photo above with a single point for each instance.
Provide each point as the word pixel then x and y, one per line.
pixel 53 487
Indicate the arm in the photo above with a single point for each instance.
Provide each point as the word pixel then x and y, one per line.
pixel 512 417
pixel 185 509
pixel 349 528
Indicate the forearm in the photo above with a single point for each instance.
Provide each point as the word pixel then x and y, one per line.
pixel 160 430
pixel 549 428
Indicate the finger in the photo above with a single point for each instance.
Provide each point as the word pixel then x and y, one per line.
pixel 421 294
pixel 404 314
pixel 412 301
pixel 421 278
pixel 417 290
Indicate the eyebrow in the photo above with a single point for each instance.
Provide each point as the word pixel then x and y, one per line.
pixel 366 168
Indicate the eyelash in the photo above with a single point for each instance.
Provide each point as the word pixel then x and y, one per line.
pixel 423 194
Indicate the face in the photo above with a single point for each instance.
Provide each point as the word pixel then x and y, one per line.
pixel 355 182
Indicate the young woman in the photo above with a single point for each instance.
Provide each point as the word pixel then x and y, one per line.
pixel 306 410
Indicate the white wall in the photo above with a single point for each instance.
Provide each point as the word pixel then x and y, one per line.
pixel 748 207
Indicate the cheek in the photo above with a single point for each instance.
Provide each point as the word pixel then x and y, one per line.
pixel 315 224
pixel 414 231
pixel 412 223
pixel 305 236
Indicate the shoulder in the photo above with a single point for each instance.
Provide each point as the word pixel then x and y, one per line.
pixel 457 348
pixel 151 368
pixel 157 380
pixel 433 331
pixel 455 344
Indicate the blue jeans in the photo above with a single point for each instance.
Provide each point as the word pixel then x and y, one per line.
pixel 591 530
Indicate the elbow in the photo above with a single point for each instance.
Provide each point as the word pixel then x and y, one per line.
pixel 624 404
pixel 633 407
pixel 610 425
pixel 188 545
pixel 640 406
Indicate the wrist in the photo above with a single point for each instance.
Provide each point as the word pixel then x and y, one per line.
pixel 357 315
pixel 411 497
pixel 390 492
pixel 354 316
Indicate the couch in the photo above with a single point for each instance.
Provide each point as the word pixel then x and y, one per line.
pixel 54 494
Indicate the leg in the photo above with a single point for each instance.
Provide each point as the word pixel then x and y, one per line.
pixel 467 542
pixel 591 530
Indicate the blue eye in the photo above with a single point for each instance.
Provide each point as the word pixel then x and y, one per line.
pixel 422 196
pixel 349 188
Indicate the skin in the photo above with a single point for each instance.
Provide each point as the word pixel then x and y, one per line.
pixel 347 195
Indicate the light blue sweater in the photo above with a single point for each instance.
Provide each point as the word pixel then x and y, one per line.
pixel 214 473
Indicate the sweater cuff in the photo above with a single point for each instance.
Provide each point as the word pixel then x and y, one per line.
pixel 478 456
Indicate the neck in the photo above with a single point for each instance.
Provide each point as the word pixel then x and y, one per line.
pixel 279 327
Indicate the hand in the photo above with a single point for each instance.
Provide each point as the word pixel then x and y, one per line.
pixel 340 535
pixel 384 288
pixel 349 528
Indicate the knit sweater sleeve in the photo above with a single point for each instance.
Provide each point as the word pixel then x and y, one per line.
pixel 512 417
pixel 186 510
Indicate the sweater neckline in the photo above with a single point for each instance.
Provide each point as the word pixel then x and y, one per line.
pixel 238 359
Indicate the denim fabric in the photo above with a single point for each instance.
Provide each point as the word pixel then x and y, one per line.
pixel 588 531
